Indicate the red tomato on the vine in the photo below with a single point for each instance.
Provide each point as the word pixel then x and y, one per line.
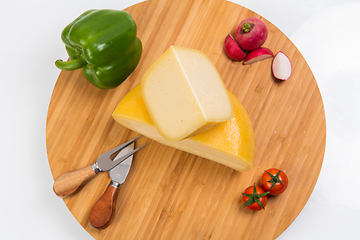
pixel 254 198
pixel 274 181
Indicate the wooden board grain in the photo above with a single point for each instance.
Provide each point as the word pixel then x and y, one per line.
pixel 170 194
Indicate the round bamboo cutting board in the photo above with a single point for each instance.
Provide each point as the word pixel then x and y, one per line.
pixel 170 194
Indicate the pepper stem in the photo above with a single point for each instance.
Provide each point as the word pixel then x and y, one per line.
pixel 71 65
pixel 246 27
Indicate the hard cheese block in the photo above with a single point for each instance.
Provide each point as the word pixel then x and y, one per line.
pixel 184 94
pixel 230 143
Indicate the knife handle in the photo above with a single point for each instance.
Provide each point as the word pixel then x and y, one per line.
pixel 69 182
pixel 102 211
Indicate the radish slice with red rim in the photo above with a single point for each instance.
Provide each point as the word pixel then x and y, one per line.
pixel 258 55
pixel 281 66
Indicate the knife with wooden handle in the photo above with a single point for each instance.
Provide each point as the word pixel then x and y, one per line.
pixel 69 182
pixel 103 210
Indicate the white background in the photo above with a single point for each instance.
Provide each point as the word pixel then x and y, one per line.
pixel 325 31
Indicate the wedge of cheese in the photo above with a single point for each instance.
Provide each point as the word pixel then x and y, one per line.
pixel 230 143
pixel 184 94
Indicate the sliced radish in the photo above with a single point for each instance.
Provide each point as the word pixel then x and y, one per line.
pixel 281 66
pixel 258 55
pixel 232 49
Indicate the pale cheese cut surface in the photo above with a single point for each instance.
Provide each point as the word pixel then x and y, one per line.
pixel 230 143
pixel 184 94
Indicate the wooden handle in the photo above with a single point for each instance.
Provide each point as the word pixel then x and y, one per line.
pixel 69 182
pixel 104 208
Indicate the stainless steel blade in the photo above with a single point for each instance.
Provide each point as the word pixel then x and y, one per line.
pixel 120 172
pixel 104 163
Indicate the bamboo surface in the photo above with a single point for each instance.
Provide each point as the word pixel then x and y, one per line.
pixel 170 194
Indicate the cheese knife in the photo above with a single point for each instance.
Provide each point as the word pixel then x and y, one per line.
pixel 69 182
pixel 103 210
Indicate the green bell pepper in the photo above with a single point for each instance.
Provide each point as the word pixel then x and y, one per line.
pixel 104 44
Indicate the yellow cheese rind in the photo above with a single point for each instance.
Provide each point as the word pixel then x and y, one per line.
pixel 184 94
pixel 231 143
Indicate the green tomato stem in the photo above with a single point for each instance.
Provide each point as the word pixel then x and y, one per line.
pixel 275 179
pixel 254 198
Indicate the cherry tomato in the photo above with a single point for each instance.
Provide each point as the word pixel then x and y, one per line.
pixel 254 198
pixel 274 180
